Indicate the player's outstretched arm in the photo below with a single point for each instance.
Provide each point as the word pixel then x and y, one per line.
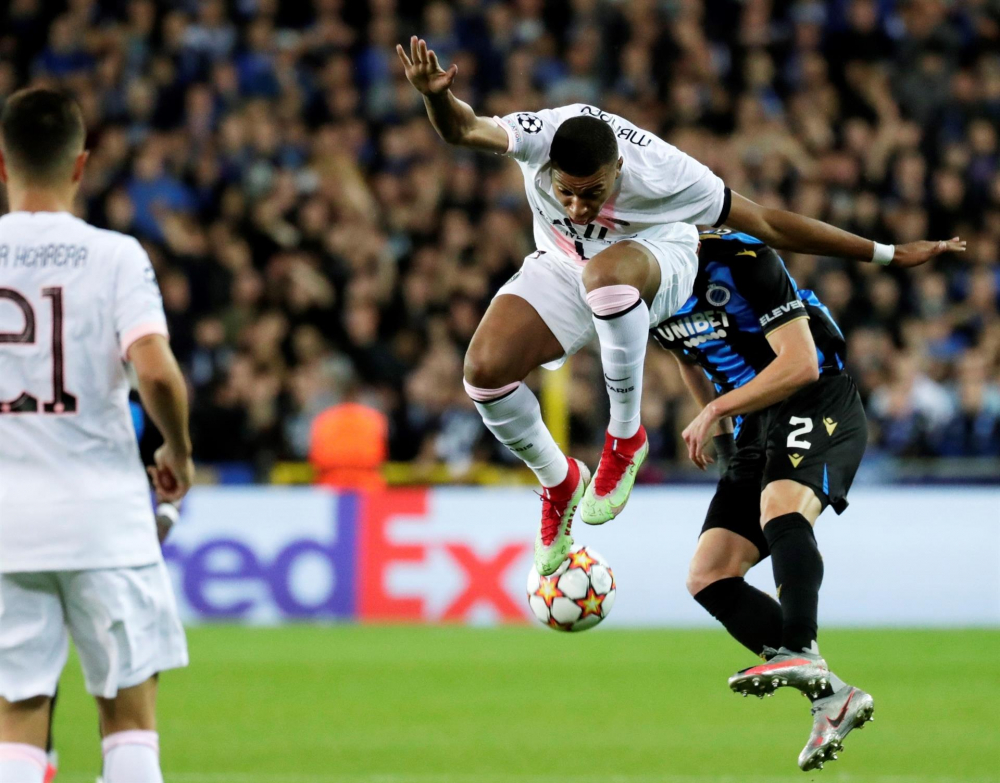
pixel 164 396
pixel 794 366
pixel 785 230
pixel 454 120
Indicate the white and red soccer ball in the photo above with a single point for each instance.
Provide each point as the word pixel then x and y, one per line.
pixel 577 596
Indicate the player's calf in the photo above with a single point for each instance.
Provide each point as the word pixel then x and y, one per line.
pixel 619 282
pixel 621 319
pixel 131 746
pixel 23 729
pixel 513 415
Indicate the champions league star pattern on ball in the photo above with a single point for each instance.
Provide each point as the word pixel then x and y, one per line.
pixel 577 596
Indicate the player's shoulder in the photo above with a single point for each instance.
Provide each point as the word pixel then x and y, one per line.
pixel 751 265
pixel 725 246
pixel 125 247
pixel 535 121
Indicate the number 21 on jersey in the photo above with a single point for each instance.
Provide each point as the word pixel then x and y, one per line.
pixel 62 401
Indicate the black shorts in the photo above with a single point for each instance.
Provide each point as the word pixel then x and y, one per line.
pixel 816 437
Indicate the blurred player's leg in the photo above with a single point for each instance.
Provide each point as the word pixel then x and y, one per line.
pixel 131 745
pixel 33 649
pixel 511 341
pixel 126 629
pixel 619 282
pixel 715 580
pixel 23 729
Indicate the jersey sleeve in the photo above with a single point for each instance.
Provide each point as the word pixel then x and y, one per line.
pixel 694 193
pixel 765 284
pixel 529 134
pixel 138 306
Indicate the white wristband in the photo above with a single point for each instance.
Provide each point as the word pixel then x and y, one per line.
pixel 167 514
pixel 883 254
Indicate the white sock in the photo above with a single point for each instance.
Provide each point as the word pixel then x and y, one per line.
pixel 513 415
pixel 622 322
pixel 20 763
pixel 132 757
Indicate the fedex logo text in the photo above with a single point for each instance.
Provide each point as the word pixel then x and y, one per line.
pixel 376 557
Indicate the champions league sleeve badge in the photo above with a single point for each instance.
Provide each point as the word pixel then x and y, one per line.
pixel 530 123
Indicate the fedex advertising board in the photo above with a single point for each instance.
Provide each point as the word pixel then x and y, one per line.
pixel 266 555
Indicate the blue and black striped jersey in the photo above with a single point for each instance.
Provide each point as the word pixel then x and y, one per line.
pixel 743 293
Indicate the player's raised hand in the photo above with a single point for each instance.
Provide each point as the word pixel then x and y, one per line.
pixel 172 475
pixel 423 70
pixel 917 253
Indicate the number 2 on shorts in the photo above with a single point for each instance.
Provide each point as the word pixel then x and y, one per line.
pixel 793 437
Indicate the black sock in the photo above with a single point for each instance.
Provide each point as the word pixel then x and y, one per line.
pixel 752 618
pixel 798 573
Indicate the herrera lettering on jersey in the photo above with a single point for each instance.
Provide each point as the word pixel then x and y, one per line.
pixel 42 256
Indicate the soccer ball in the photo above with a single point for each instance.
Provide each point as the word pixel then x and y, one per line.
pixel 577 596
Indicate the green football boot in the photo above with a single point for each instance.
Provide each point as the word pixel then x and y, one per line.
pixel 609 492
pixel 559 504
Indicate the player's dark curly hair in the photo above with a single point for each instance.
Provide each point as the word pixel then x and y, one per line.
pixel 41 132
pixel 582 145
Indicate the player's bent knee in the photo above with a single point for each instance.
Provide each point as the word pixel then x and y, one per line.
pixel 482 374
pixel 598 275
pixel 699 579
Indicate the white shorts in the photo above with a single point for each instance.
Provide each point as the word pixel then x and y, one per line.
pixel 553 285
pixel 123 621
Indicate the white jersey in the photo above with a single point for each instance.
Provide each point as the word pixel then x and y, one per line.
pixel 73 491
pixel 662 193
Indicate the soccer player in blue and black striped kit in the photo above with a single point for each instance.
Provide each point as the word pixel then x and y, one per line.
pixel 756 350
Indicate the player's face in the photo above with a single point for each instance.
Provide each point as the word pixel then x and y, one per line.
pixel 583 197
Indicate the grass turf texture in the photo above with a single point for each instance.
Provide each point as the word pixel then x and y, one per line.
pixel 356 704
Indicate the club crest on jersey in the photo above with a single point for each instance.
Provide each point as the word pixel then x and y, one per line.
pixel 531 123
pixel 718 295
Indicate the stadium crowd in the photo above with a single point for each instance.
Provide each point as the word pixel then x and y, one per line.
pixel 315 241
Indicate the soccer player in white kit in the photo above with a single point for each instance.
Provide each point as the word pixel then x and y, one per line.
pixel 79 554
pixel 615 210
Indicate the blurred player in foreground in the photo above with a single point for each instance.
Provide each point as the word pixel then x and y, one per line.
pixel 78 543
pixel 167 514
pixel 775 358
pixel 615 210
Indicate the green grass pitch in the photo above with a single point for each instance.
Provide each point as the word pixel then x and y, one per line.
pixel 354 704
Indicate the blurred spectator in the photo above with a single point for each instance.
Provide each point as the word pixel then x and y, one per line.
pixel 305 222
pixel 349 443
